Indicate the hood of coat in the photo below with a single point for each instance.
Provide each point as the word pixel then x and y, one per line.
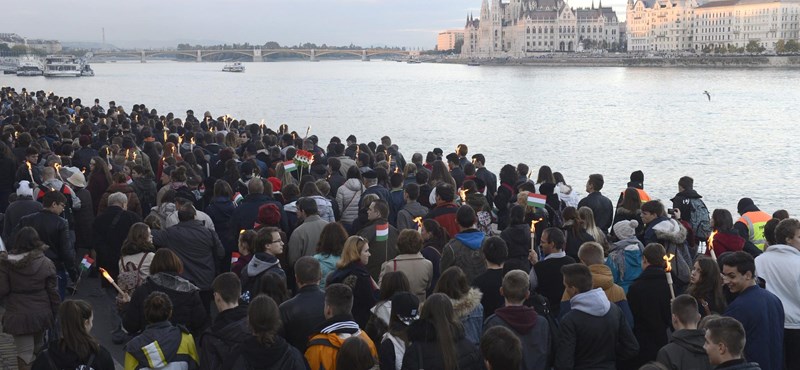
pixel 593 302
pixel 602 277
pixel 670 230
pixel 261 262
pixel 19 262
pixel 691 340
pixel 471 238
pixel 257 355
pixel 564 188
pixel 517 234
pixel 623 244
pixel 117 187
pixel 466 304
pixel 520 318
pixel 353 185
pixel 173 282
pixel 161 336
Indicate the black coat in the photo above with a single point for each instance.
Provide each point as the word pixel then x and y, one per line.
pixel 110 229
pixel 84 218
pixel 220 210
pixel 356 276
pixel 8 168
pixel 230 328
pixel 592 342
pixel 54 231
pixel 83 157
pixel 187 308
pixel 197 246
pixel 15 212
pixel 550 281
pixel 69 359
pixel 252 354
pixel 649 300
pixel 685 351
pixel 425 347
pixel 246 214
pixel 602 208
pixel 302 315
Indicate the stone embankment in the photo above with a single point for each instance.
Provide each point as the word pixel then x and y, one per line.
pixel 629 61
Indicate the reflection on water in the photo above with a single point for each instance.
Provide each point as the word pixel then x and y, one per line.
pixel 577 120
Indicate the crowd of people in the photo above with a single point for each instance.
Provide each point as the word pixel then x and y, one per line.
pixel 232 245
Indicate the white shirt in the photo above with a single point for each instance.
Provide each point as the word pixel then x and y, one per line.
pixel 779 266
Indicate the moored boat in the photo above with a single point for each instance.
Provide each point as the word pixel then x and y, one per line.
pixel 234 67
pixel 62 66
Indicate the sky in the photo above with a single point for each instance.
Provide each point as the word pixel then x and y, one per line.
pixel 164 23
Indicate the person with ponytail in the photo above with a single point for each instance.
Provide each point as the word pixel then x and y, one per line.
pixel 75 346
pixel 264 348
pixel 438 341
pixel 161 344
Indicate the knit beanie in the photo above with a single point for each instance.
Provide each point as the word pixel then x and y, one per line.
pixel 744 204
pixel 625 229
pixel 637 179
pixel 268 214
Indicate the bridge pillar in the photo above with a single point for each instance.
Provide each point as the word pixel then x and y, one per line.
pixel 313 55
pixel 364 56
pixel 199 57
pixel 143 60
pixel 257 55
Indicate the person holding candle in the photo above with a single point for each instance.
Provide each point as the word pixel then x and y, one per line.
pixel 29 170
pixel 706 286
pixel 28 289
pixel 649 300
pixel 412 209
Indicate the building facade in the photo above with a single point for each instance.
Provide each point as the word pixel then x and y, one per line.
pixel 682 25
pixel 523 28
pixel 447 40
pixel 44 46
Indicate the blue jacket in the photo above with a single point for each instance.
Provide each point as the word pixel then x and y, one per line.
pixel 761 314
pixel 625 261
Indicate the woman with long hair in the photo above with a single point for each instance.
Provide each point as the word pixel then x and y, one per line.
pixel 273 286
pixel 99 180
pixel 725 238
pixel 434 238
pixel 355 354
pixel 28 289
pixel 705 285
pixel 351 270
pixel 545 175
pixel 566 192
pixel 75 346
pixel 629 209
pixel 378 322
pixel 440 174
pixel 137 250
pixel 466 301
pixel 586 215
pixel 506 195
pixel 438 341
pixel 264 348
pixel 575 231
pixel 329 249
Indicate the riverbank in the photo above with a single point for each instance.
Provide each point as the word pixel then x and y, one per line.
pixel 577 60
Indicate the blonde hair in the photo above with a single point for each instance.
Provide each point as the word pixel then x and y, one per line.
pixel 351 251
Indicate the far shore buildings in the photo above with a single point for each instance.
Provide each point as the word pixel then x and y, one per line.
pixel 521 28
pixel 448 39
pixel 44 46
pixel 680 25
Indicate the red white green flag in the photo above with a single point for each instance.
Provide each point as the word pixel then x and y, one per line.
pixel 382 232
pixel 289 166
pixel 86 262
pixel 234 257
pixel 536 200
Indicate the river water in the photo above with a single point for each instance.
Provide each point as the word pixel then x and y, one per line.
pixel 576 120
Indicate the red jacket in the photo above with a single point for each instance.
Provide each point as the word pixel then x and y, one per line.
pixel 726 242
pixel 445 215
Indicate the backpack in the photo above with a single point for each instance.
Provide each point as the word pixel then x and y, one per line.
pixel 699 219
pixel 53 366
pixel 129 279
pixel 542 307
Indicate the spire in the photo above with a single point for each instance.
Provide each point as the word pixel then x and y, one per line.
pixel 600 6
pixel 485 11
pixel 592 4
pixel 467 25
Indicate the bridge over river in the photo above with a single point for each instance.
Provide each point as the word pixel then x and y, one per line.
pixel 258 55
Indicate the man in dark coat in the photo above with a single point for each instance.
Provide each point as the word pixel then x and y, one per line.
pixel 685 350
pixel 489 178
pixel 197 246
pixel 649 299
pixel 84 155
pixel 20 207
pixel 109 231
pixel 381 250
pixel 229 328
pixel 546 276
pixel 601 206
pixel 302 314
pixel 246 214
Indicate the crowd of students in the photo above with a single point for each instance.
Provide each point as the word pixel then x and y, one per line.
pixel 257 248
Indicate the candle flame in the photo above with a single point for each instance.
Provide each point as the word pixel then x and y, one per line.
pixel 533 225
pixel 180 140
pixel 127 153
pixel 667 259
pixel 83 170
pixel 29 165
pixel 134 155
pixel 463 194
pixel 418 220
pixel 106 275
pixel 711 241
pixel 165 136
pixel 57 166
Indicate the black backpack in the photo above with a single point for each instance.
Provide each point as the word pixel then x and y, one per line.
pixel 542 307
pixel 699 219
pixel 53 366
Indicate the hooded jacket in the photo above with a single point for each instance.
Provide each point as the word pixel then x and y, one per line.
pixel 28 288
pixel 518 240
pixel 254 355
pixel 356 276
pixel 602 278
pixel 324 346
pixel 229 329
pixel 625 261
pixel 726 242
pixel 406 216
pixel 682 201
pixel 327 264
pixel 187 308
pixel 425 347
pixel 778 267
pixel 464 251
pixel 594 334
pixel 251 276
pixel 69 360
pixel 159 345
pixel 533 331
pixel 469 310
pixel 685 351
pixel 347 197
pixel 672 235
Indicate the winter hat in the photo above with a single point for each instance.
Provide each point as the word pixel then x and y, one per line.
pixel 276 183
pixel 637 179
pixel 405 306
pixel 76 178
pixel 744 205
pixel 268 214
pixel 625 229
pixel 547 188
pixel 25 189
pixel 370 174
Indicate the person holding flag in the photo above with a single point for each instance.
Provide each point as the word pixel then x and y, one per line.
pixel 381 236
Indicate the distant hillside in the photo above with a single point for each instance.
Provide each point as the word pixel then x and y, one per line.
pixel 86 45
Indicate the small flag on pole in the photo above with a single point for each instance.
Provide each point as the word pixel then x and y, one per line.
pixel 86 262
pixel 234 257
pixel 237 198
pixel 536 200
pixel 289 166
pixel 382 232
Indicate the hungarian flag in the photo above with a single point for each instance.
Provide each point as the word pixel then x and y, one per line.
pixel 234 257
pixel 382 232
pixel 237 198
pixel 536 200
pixel 303 158
pixel 86 262
pixel 289 166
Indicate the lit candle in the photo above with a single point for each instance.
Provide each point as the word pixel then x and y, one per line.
pixel 463 194
pixel 57 167
pixel 30 171
pixel 668 271
pixel 418 220
pixel 711 245
pixel 108 277
pixel 191 144
pixel 533 225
